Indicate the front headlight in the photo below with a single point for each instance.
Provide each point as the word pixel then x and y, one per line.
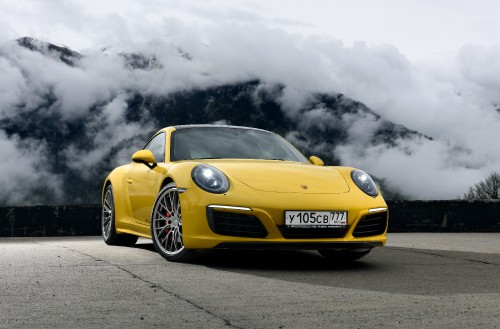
pixel 210 179
pixel 364 182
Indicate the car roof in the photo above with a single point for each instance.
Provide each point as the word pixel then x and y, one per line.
pixel 218 126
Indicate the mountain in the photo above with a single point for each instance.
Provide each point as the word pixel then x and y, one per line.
pixel 80 161
pixel 64 54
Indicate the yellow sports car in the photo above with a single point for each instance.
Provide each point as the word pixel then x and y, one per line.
pixel 209 186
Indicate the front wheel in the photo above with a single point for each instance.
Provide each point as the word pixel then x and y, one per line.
pixel 166 226
pixel 343 256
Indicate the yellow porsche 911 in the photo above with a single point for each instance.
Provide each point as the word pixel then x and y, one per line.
pixel 207 186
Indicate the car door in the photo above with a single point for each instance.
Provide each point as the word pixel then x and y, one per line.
pixel 142 181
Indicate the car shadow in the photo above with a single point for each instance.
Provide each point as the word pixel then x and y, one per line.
pixel 372 272
pixel 391 270
pixel 278 260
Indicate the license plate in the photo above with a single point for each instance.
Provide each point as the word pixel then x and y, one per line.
pixel 315 219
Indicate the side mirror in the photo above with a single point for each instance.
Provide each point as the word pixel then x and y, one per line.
pixel 144 156
pixel 316 161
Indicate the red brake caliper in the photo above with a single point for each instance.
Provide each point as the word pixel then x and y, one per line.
pixel 168 215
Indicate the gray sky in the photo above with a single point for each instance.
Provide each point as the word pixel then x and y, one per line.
pixel 420 29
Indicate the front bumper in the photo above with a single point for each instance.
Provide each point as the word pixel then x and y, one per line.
pixel 269 208
pixel 299 245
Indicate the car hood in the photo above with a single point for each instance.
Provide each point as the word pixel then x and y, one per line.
pixel 285 177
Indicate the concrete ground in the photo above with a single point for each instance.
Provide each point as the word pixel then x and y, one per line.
pixel 488 243
pixel 417 281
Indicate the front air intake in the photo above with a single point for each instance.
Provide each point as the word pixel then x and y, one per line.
pixel 371 225
pixel 235 224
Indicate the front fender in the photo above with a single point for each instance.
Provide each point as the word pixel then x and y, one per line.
pixel 180 173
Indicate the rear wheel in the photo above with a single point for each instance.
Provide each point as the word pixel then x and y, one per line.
pixel 344 256
pixel 166 226
pixel 108 226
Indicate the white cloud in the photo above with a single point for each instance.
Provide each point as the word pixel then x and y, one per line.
pixel 103 132
pixel 22 169
pixel 419 167
pixel 452 102
pixel 480 66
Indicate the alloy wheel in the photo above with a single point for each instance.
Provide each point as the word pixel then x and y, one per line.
pixel 167 222
pixel 107 213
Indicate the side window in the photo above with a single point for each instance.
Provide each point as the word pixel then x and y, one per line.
pixel 157 146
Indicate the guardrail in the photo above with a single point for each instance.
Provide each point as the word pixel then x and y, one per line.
pixel 405 216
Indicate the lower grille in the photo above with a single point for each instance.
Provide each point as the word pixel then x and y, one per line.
pixel 235 224
pixel 372 224
pixel 312 233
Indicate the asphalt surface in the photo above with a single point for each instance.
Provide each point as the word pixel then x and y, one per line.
pixel 415 282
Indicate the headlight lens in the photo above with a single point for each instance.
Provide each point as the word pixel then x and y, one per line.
pixel 210 179
pixel 364 182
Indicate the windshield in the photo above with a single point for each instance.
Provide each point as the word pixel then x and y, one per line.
pixel 231 143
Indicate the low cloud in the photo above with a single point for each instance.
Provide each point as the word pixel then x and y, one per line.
pixel 422 169
pixel 25 177
pixel 452 103
pixel 103 132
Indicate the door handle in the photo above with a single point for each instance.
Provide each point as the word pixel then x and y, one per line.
pixel 129 180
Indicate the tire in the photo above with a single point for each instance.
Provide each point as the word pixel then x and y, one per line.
pixel 343 256
pixel 108 227
pixel 166 226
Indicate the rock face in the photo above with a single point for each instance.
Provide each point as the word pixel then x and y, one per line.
pixel 64 54
pixel 78 151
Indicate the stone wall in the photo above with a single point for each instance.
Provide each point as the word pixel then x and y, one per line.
pixel 405 216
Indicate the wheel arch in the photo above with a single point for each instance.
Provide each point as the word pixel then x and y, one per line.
pixel 166 180
pixel 107 183
pixel 180 174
